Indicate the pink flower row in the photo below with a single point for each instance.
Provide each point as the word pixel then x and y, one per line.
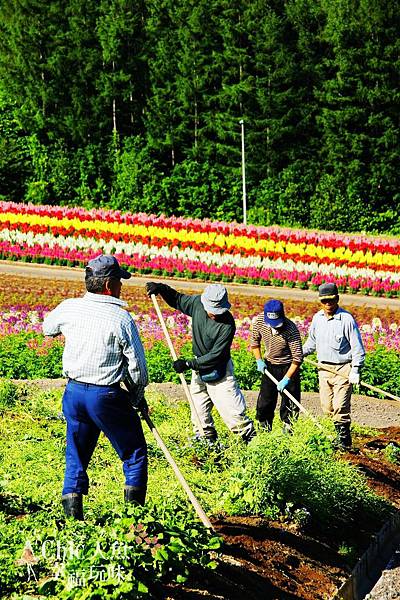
pixel 173 266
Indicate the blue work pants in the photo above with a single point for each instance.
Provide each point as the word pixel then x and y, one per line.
pixel 90 409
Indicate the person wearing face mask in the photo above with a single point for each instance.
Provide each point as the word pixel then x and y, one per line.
pixel 335 336
pixel 282 358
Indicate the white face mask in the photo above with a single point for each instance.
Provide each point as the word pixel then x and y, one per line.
pixel 275 330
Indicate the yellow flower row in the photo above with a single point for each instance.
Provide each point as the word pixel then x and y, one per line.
pixel 207 238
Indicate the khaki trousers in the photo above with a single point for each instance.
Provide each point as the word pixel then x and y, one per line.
pixel 227 398
pixel 335 393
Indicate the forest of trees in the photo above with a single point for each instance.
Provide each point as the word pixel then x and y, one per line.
pixel 136 104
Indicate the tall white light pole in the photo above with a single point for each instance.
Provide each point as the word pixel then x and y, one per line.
pixel 243 176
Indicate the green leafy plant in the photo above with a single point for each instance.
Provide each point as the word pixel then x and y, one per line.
pixel 301 469
pixel 8 395
pixel 392 453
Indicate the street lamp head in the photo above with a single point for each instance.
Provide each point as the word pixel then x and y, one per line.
pixel 241 122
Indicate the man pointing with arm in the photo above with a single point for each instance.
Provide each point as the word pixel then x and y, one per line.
pixel 213 382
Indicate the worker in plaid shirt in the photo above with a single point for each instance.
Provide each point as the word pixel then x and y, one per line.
pixel 102 348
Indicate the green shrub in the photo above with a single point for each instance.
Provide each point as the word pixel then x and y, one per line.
pixel 382 368
pixel 392 453
pixel 29 356
pixel 8 395
pixel 245 368
pixel 300 470
pixel 159 363
pixel 309 378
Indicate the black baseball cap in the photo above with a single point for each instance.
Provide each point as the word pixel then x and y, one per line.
pixel 106 265
pixel 328 291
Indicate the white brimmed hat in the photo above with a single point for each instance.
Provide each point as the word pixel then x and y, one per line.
pixel 215 299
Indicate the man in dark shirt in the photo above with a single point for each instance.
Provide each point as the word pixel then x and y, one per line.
pixel 213 382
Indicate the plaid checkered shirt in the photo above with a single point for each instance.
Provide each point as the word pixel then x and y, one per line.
pixel 102 342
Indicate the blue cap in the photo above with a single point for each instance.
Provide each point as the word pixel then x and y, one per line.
pixel 274 314
pixel 106 266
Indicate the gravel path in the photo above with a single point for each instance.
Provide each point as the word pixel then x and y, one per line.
pixel 366 411
pixel 76 274
pixel 388 586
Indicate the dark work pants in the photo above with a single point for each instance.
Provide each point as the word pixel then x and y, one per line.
pixel 268 396
pixel 90 409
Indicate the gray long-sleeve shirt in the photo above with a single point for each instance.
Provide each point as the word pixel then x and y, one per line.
pixel 336 339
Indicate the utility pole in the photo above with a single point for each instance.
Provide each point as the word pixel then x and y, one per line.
pixel 243 176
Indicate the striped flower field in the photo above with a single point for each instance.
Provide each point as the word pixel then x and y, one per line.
pixel 192 248
pixel 24 302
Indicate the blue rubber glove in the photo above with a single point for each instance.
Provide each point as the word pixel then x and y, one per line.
pixel 283 383
pixel 261 365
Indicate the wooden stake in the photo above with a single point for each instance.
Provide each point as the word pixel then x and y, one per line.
pixel 174 356
pixel 196 504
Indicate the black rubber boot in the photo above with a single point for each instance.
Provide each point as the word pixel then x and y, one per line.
pixel 135 495
pixel 265 425
pixel 249 436
pixel 72 505
pixel 343 436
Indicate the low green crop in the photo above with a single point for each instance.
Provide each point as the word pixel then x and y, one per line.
pixel 392 453
pixel 123 552
pixel 31 356
pixel 302 471
pixel 8 395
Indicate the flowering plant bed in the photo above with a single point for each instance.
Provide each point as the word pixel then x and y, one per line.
pixel 24 353
pixel 204 249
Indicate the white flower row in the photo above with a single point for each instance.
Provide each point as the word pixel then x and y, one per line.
pixel 189 254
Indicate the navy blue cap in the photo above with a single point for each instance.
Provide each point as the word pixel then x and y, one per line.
pixel 106 265
pixel 274 313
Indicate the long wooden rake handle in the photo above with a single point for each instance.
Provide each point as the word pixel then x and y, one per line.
pixel 174 356
pixel 196 504
pixel 363 383
pixel 293 399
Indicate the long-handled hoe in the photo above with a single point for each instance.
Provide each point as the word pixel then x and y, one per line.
pixel 196 504
pixel 363 383
pixel 174 356
pixel 146 417
pixel 293 399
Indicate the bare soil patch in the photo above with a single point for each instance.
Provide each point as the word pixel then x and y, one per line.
pixel 277 561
